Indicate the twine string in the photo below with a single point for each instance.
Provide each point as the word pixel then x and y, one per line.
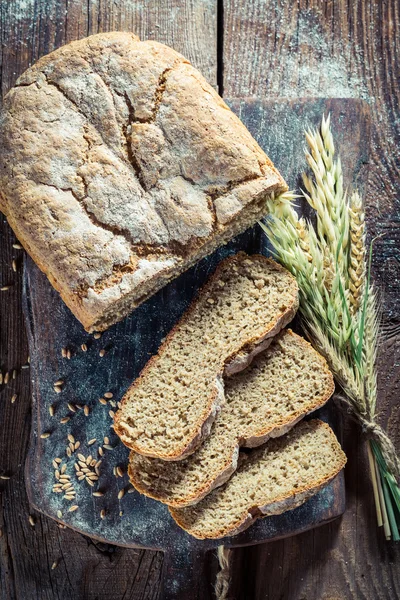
pixel 224 574
pixel 375 431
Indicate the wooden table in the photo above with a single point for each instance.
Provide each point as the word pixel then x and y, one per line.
pixel 255 48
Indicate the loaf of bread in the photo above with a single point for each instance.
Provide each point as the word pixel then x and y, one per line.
pixel 280 387
pixel 169 409
pixel 278 477
pixel 121 167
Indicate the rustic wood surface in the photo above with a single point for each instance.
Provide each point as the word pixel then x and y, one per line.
pixel 251 48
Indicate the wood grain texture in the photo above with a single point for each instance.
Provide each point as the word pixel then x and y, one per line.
pixel 341 49
pixel 271 49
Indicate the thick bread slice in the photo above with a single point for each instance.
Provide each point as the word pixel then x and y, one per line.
pixel 281 386
pixel 170 408
pixel 278 477
pixel 120 167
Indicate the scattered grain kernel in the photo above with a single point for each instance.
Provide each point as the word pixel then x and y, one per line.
pixel 14 374
pixel 111 413
pixel 45 435
pixel 86 410
pixel 63 468
pixel 98 494
pixel 64 420
pixel 97 335
pixel 5 288
pixel 76 445
pixel 71 407
pixel 84 347
pixel 14 265
pixel 4 477
pixel 121 494
pixel 54 565
pixel 102 514
pixel 92 441
pixel 108 395
pixel 102 352
pixel 32 520
pixel 100 451
pixel 59 514
pixel 58 460
pixel 59 382
pixel 73 508
pixel 103 401
pixel 13 398
pixel 120 472
pixel 6 378
pixel 57 389
pixel 68 354
pixel 108 447
pixel 52 410
pixel 71 438
pixel 17 246
pixel 68 452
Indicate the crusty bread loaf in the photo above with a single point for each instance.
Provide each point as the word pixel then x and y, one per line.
pixel 120 167
pixel 269 481
pixel 280 387
pixel 169 409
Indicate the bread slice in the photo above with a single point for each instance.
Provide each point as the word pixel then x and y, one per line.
pixel 120 167
pixel 278 477
pixel 281 386
pixel 169 409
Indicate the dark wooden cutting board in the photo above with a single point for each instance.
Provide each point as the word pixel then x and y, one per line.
pixel 135 520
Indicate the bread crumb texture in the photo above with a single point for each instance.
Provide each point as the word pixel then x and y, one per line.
pixel 281 386
pixel 121 167
pixel 170 408
pixel 280 476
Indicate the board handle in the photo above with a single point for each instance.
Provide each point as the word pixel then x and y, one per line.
pixel 184 576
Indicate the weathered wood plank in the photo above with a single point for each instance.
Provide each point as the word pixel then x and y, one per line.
pixel 340 49
pixel 29 29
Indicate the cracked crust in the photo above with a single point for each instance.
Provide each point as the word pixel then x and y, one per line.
pixel 120 168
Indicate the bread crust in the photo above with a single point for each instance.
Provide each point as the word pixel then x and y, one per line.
pixel 229 465
pixel 101 187
pixel 214 402
pixel 280 505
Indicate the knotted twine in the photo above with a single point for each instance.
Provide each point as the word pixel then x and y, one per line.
pixel 374 431
pixel 223 577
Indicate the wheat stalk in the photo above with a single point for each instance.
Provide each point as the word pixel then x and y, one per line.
pixel 338 304
pixel 357 252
